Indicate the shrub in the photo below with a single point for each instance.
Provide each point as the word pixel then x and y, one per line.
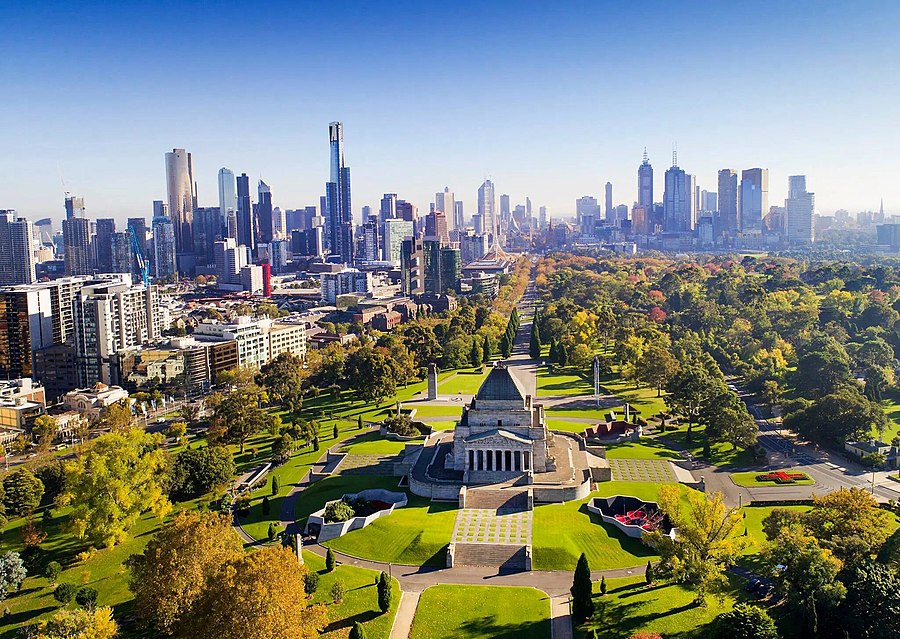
pixel 329 560
pixel 64 593
pixel 602 585
pixel 646 635
pixel 338 511
pixel 266 508
pixel 385 593
pixel 273 530
pixel 746 622
pixel 275 485
pixel 337 591
pixel 357 631
pixel 51 572
pixel 86 597
pixel 401 425
pixel 310 583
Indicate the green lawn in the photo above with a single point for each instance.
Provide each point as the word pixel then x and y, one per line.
pixel 372 443
pixel 333 487
pixel 567 426
pixel 466 382
pixel 551 384
pixel 360 602
pixel 450 410
pixel 643 399
pixel 417 534
pixel 562 412
pixel 646 448
pixel 891 406
pixel 748 480
pixel 753 518
pixel 562 532
pixel 474 612
pixel 629 606
pixel 721 454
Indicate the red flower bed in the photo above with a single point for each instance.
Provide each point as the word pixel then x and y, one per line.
pixel 782 477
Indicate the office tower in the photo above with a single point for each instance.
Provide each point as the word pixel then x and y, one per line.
pixel 774 219
pixel 209 227
pixel 164 264
pixel 486 206
pixel 620 214
pixel 754 199
pixel 338 213
pixel 371 249
pixel 279 254
pixel 245 222
pixel 103 244
pixel 709 201
pixel 227 193
pixel 640 217
pixel 111 316
pixel 587 207
pixel 542 217
pixel 74 206
pixel 264 214
pixel 77 245
pixel 139 225
pixel 230 258
pixel 407 211
pixel 679 204
pixel 26 325
pixel 729 223
pixel 799 208
pixel 528 210
pixel 395 231
pixel 180 190
pixel 436 227
pixel 504 209
pixel 478 225
pixel 160 209
pixel 609 213
pixel 388 209
pixel 459 220
pixel 17 257
pixel 445 203
pixel 121 253
pixel 279 223
pixel 645 183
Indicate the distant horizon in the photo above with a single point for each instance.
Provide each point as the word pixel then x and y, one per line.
pixel 549 102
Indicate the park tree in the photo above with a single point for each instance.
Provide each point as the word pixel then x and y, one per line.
pixel 190 412
pixel 727 420
pixel 562 354
pixel 357 631
pixel 120 477
pixel 778 519
pixel 708 539
pixel 656 367
pixel 177 564
pixel 534 346
pixel 12 573
pixel 237 412
pixel 745 622
pixel 475 353
pixel 422 344
pixel 330 560
pixel 486 350
pixel 385 592
pixel 117 417
pixel 871 608
pixel 282 377
pixel 808 576
pixel 823 367
pixel 198 470
pixel 835 418
pixel 22 492
pixel 177 430
pixel 44 431
pixel 86 597
pixel 282 448
pixel 505 345
pixel 370 372
pixel 688 389
pixel 582 603
pixel 849 522
pixel 96 623
pixel 258 594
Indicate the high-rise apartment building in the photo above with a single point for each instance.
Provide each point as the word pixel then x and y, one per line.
pixel 121 254
pixel 77 235
pixel 680 208
pixel 139 225
pixel 436 227
pixel 264 214
pixel 799 208
pixel 645 184
pixel 17 256
pixel 754 199
pixel 609 213
pixel 181 192
pixel 542 217
pixel 486 209
pixel 164 247
pixel 445 202
pixel 338 214
pixel 388 209
pixel 729 223
pixel 104 230
pixel 371 240
pixel 209 227
pixel 246 225
pixel 26 325
pixel 230 258
pixel 459 220
pixel 504 209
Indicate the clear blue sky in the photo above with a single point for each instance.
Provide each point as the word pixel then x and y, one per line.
pixel 550 100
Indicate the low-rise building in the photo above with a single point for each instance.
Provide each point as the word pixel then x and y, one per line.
pixel 91 402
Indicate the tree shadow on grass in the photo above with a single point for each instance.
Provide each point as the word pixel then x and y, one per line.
pixel 347 622
pixel 25 616
pixel 488 627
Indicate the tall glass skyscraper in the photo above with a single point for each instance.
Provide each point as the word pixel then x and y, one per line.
pixel 181 195
pixel 246 226
pixel 754 199
pixel 227 197
pixel 679 204
pixel 645 183
pixel 799 208
pixel 486 205
pixel 728 201
pixel 338 214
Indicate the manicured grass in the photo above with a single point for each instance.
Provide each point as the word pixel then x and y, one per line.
pixel 562 412
pixel 748 480
pixel 642 399
pixel 646 448
pixel 668 609
pixel 372 443
pixel 471 612
pixel 466 382
pixel 561 532
pixel 417 534
pixel 753 518
pixel 330 488
pixel 552 384
pixel 891 405
pixel 450 410
pixel 721 454
pixel 441 424
pixel 360 602
pixel 568 426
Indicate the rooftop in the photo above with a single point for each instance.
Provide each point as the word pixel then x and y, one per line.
pixel 501 385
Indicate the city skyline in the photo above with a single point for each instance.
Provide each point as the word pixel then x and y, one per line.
pixel 515 121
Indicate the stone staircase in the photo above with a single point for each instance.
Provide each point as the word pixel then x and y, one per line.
pixel 494 499
pixel 505 556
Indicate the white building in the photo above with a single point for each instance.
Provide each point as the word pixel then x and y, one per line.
pixel 17 257
pixel 253 345
pixel 252 279
pixel 91 402
pixel 799 208
pixel 348 280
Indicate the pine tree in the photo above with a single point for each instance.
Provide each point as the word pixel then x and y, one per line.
pixel 486 350
pixel 475 354
pixel 505 347
pixel 649 573
pixel 273 530
pixel 552 353
pixel 534 348
pixel 562 355
pixel 359 423
pixel 329 561
pixel 385 593
pixel 334 431
pixel 357 631
pixel 602 585
pixel 275 485
pixel 582 604
pixel 266 508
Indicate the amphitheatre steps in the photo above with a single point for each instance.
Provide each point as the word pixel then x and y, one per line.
pixel 504 556
pixel 494 499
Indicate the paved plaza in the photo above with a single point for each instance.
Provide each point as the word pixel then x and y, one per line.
pixel 488 526
pixel 367 465
pixel 653 470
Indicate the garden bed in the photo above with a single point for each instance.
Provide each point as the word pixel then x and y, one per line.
pixel 367 506
pixel 753 479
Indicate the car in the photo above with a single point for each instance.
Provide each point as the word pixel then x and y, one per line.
pixel 764 590
pixel 752 585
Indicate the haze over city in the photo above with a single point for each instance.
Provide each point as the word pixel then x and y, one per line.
pixel 548 102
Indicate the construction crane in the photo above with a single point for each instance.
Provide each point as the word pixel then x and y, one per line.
pixel 139 256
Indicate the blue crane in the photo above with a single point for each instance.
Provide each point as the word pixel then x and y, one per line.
pixel 139 256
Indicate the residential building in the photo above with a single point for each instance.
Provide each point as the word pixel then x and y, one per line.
pixel 182 199
pixel 729 222
pixel 343 282
pixel 164 247
pixel 77 236
pixel 395 231
pixel 104 230
pixel 121 254
pixel 17 257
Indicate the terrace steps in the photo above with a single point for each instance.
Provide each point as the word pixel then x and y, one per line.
pixel 497 499
pixel 504 556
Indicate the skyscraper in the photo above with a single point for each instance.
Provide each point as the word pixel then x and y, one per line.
pixel 799 207
pixel 163 247
pixel 139 225
pixel 445 203
pixel 76 238
pixel 105 229
pixel 728 202
pixel 16 250
pixel 121 253
pixel 754 199
pixel 645 183
pixel 74 207
pixel 264 218
pixel 388 209
pixel 338 214
pixel 609 213
pixel 459 220
pixel 227 195
pixel 180 189
pixel 486 205
pixel 245 224
pixel 504 209
pixel 679 210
